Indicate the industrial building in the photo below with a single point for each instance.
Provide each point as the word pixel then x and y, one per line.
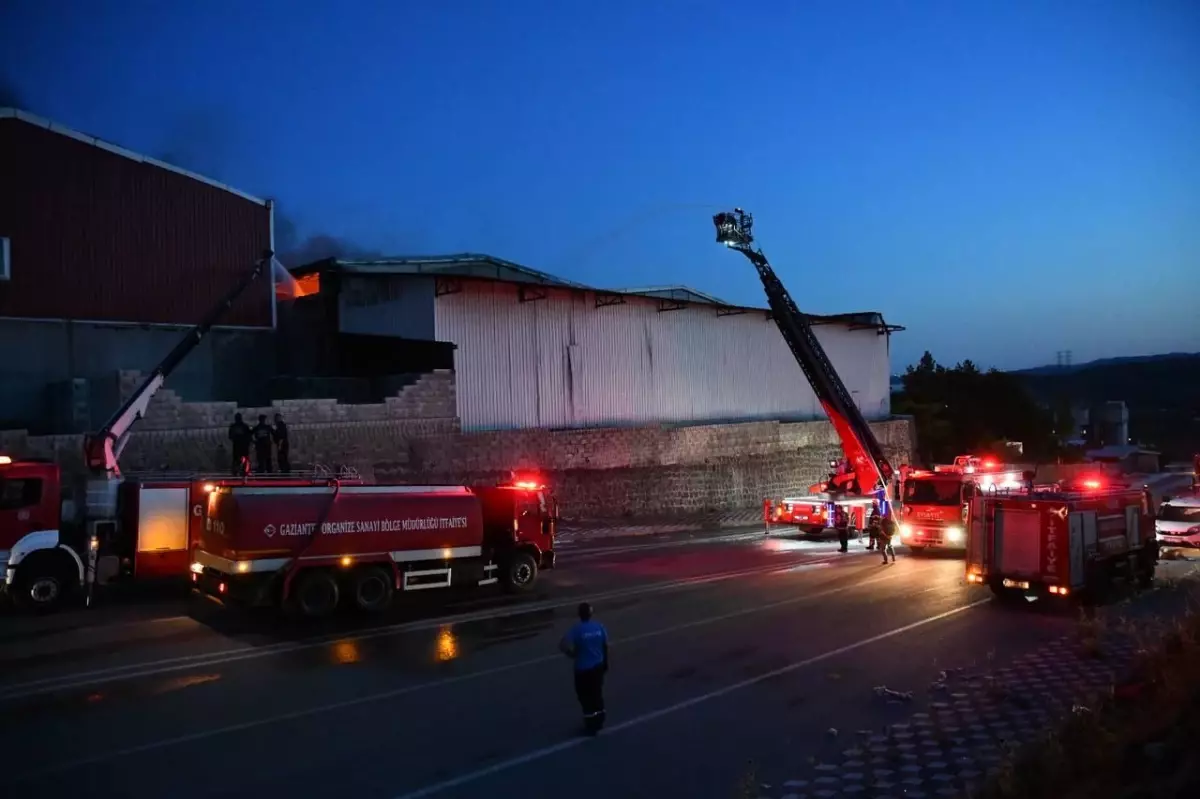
pixel 105 256
pixel 533 350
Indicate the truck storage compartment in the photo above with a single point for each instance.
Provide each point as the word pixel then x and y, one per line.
pixel 1018 537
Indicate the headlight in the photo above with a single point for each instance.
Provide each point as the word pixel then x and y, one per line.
pixel 954 535
pixel 905 530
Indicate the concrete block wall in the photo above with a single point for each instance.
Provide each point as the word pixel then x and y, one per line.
pixel 597 473
pixel 432 396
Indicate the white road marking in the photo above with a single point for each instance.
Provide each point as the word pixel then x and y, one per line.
pixel 441 683
pixel 645 718
pixel 235 654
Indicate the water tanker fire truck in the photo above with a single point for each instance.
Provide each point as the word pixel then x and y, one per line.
pixel 1067 540
pixel 865 475
pixel 933 503
pixel 312 548
pixel 128 528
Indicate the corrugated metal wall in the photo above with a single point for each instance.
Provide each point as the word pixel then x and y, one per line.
pixel 562 362
pixel 101 237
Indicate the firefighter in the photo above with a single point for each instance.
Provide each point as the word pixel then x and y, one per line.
pixel 282 445
pixel 887 534
pixel 262 435
pixel 586 643
pixel 873 524
pixel 239 441
pixel 841 522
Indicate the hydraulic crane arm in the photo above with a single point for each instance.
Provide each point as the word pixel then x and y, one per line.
pixel 866 457
pixel 102 450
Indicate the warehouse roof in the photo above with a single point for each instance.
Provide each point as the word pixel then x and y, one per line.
pixel 63 130
pixel 487 267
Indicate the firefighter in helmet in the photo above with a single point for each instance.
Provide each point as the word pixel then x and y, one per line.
pixel 874 523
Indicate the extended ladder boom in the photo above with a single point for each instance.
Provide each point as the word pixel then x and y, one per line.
pixel 102 451
pixel 863 451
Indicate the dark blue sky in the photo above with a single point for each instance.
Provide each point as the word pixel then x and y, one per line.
pixel 1007 179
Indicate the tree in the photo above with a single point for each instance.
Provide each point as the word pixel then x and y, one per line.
pixel 962 410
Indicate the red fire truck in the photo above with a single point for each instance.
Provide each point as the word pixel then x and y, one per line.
pixel 1071 540
pixel 153 527
pixel 933 508
pixel 815 513
pixel 307 548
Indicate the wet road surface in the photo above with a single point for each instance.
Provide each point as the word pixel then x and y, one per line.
pixel 723 653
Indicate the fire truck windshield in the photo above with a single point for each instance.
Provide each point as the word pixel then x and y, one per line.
pixel 928 491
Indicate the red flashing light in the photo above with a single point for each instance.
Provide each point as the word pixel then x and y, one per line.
pixel 527 485
pixel 5 460
pixel 1092 484
pixel 989 464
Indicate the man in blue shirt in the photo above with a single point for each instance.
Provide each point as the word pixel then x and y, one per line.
pixel 587 644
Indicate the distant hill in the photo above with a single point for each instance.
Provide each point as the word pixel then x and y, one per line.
pixel 1162 393
pixel 1059 370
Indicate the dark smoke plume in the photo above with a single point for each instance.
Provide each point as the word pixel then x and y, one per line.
pixel 199 140
pixel 293 251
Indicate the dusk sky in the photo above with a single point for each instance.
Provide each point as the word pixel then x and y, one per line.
pixel 1005 179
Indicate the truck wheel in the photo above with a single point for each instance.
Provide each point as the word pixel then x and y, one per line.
pixel 44 582
pixel 1146 566
pixel 316 594
pixel 520 573
pixel 373 587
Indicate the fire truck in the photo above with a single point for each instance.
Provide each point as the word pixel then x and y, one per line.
pixel 865 475
pixel 310 549
pixel 932 510
pixel 141 528
pixel 1062 541
pixel 814 513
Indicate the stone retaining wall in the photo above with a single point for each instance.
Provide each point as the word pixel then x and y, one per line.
pixel 415 437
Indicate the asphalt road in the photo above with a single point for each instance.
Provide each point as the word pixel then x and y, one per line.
pixel 725 652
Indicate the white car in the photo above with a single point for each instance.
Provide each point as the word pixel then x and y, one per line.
pixel 1178 523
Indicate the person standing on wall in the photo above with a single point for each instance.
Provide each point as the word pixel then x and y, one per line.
pixel 239 442
pixel 587 644
pixel 282 446
pixel 262 434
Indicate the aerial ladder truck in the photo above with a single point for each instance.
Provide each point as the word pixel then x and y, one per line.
pixel 127 528
pixel 867 474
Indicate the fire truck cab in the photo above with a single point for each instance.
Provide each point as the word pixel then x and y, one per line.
pixel 1063 541
pixel 934 503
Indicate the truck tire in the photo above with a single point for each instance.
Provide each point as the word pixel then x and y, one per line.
pixel 44 581
pixel 1147 564
pixel 317 594
pixel 373 589
pixel 520 573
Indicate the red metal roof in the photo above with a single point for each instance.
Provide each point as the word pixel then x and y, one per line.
pixel 99 233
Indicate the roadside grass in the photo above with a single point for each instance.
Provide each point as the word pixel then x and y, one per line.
pixel 1137 739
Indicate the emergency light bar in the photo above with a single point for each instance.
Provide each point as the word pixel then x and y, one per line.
pixel 5 460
